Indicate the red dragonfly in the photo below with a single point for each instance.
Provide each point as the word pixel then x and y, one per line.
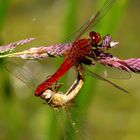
pixel 77 53
pixel 87 51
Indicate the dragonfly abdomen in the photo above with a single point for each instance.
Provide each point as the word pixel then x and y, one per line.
pixel 66 65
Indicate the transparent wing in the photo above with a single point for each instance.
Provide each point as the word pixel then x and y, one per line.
pixel 91 21
pixel 23 73
pixel 113 73
pixel 91 73
pixel 31 72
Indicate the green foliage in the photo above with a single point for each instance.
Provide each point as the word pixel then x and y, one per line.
pixel 3 10
pixel 87 93
pixel 25 117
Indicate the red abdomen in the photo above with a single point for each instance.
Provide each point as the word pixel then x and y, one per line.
pixel 67 64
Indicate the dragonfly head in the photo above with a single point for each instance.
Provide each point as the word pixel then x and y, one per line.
pixel 105 42
pixel 95 38
pixel 47 94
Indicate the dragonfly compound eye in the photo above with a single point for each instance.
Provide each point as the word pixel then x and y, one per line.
pixel 96 37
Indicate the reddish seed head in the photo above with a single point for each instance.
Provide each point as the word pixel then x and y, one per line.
pixel 96 37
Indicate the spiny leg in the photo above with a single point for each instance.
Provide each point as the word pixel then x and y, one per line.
pixel 58 99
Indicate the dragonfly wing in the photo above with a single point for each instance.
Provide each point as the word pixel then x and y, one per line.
pixel 22 73
pixel 31 72
pixel 92 21
pixel 104 79
pixel 113 73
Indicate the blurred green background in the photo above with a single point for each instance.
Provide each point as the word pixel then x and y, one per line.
pixel 100 111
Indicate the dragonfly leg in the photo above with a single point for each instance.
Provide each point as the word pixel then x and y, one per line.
pixel 59 99
pixel 57 87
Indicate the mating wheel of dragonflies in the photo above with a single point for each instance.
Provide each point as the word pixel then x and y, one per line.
pixel 78 53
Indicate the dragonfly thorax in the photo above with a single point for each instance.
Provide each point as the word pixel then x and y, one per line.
pixel 80 50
